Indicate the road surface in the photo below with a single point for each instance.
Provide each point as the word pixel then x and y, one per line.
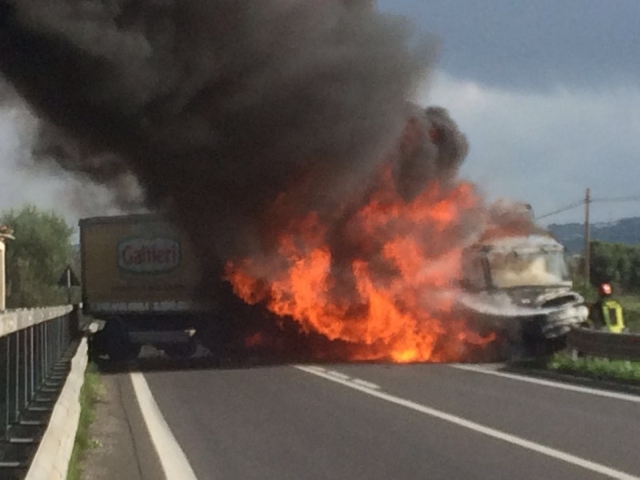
pixel 383 422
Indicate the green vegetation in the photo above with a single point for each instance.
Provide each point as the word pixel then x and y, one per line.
pixel 585 289
pixel 631 305
pixel 36 259
pixel 616 263
pixel 618 371
pixel 89 396
pixel 597 368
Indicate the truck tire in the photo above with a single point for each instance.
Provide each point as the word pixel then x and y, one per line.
pixel 123 352
pixel 118 346
pixel 218 336
pixel 182 350
pixel 495 351
pixel 97 345
pixel 499 349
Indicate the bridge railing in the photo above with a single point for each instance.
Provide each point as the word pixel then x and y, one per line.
pixel 35 348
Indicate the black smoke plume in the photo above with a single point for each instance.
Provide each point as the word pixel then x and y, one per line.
pixel 215 107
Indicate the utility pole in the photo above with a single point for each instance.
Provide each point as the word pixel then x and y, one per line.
pixel 587 238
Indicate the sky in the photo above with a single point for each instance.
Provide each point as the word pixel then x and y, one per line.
pixel 547 92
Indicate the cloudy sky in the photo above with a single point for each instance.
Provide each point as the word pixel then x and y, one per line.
pixel 547 92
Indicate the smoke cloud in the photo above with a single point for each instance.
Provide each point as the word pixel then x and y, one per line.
pixel 6 93
pixel 108 173
pixel 214 107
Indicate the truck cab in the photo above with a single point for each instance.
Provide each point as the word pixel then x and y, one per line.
pixel 519 288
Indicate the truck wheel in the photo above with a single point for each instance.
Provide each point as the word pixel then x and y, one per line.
pixel 499 348
pixel 495 351
pixel 97 345
pixel 182 350
pixel 123 351
pixel 119 347
pixel 217 337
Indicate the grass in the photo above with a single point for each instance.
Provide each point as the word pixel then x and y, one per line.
pixel 598 368
pixel 620 371
pixel 631 305
pixel 89 395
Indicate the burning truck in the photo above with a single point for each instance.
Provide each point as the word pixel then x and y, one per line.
pixel 421 269
pixel 519 288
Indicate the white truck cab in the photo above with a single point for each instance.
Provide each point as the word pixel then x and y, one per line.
pixel 520 288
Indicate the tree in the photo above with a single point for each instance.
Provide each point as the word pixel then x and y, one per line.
pixel 37 257
pixel 617 263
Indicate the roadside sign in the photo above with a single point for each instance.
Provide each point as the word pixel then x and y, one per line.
pixel 68 279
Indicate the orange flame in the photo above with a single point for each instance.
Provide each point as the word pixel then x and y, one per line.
pixel 392 296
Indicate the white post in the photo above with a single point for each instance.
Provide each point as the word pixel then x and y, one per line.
pixel 3 289
pixel 5 234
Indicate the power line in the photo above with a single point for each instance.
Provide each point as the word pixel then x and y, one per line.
pixel 560 210
pixel 587 201
pixel 631 198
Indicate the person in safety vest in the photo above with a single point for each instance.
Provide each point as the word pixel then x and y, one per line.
pixel 607 313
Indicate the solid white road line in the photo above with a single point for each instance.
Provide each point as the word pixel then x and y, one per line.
pixel 172 458
pixel 476 427
pixel 549 383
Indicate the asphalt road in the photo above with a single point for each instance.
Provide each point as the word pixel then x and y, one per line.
pixel 392 422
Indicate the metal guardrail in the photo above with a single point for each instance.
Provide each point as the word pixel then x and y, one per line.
pixel 619 346
pixel 35 350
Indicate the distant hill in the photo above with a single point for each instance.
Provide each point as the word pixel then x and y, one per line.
pixel 571 235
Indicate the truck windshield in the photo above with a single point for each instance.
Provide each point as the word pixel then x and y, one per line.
pixel 515 269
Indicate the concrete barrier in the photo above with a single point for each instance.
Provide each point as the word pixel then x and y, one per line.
pixel 51 461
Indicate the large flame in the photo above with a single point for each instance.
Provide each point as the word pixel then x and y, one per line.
pixel 386 287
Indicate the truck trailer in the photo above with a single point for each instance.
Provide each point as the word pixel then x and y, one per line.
pixel 140 275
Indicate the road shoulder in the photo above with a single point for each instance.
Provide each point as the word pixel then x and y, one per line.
pixel 121 447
